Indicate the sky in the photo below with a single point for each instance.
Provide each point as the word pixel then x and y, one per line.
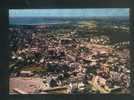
pixel 68 12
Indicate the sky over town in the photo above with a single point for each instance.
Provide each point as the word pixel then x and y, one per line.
pixel 68 12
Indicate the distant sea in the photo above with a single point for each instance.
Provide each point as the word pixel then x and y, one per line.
pixel 55 20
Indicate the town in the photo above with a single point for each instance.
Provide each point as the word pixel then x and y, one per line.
pixel 87 57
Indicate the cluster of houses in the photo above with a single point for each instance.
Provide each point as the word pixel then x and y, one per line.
pixel 77 63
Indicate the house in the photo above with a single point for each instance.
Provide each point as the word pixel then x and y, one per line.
pixel 26 73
